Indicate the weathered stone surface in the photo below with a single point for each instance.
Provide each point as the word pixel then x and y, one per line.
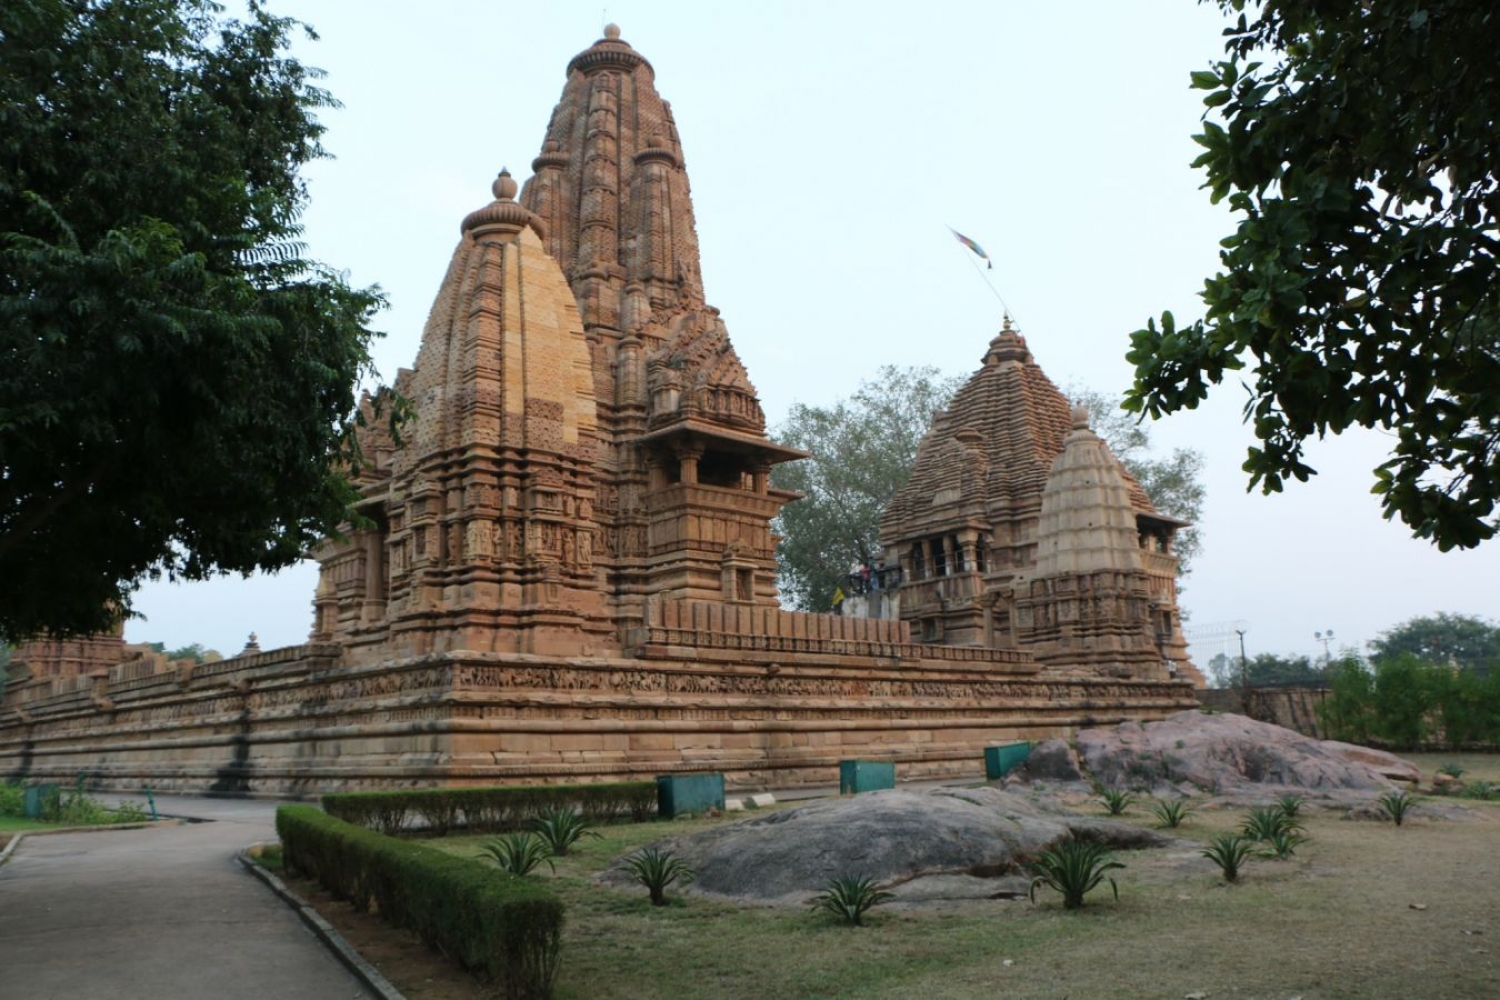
pixel 1387 765
pixel 893 836
pixel 1222 753
pixel 1052 760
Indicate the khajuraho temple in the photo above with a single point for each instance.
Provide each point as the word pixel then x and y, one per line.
pixel 565 570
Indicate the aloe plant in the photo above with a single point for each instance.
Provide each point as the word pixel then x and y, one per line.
pixel 1116 800
pixel 1264 822
pixel 1171 813
pixel 1291 805
pixel 1282 844
pixel 849 897
pixel 1451 770
pixel 1074 868
pixel 519 853
pixel 1229 852
pixel 561 828
pixel 1397 804
pixel 656 869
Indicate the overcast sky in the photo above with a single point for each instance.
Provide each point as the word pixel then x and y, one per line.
pixel 829 144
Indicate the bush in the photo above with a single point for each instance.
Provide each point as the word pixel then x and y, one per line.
pixel 1265 822
pixel 849 897
pixel 519 853
pixel 656 869
pixel 561 828
pixel 505 928
pixel 12 799
pixel 1116 800
pixel 1230 853
pixel 1171 813
pixel 505 807
pixel 1074 868
pixel 1396 805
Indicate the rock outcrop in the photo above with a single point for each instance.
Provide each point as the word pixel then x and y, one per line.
pixel 895 837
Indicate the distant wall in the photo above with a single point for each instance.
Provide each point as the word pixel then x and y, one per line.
pixel 1292 707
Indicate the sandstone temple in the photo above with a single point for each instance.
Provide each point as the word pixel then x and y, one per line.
pixel 566 568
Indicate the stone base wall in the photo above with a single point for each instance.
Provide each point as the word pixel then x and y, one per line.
pixel 296 722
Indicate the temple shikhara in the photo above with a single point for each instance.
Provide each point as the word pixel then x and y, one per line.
pixel 566 569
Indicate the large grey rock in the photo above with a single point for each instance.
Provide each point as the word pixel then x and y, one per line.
pixel 892 836
pixel 1225 753
pixel 1052 760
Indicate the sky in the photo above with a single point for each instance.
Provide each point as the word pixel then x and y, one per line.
pixel 830 145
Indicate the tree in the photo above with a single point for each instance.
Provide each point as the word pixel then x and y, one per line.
pixel 177 383
pixel 863 449
pixel 1174 483
pixel 194 652
pixel 1465 641
pixel 1357 144
pixel 1271 670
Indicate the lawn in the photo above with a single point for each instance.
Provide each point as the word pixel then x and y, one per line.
pixel 1365 909
pixel 10 824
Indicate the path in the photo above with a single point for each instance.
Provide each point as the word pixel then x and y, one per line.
pixel 166 914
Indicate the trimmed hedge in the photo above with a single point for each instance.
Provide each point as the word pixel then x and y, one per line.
pixel 505 928
pixel 490 809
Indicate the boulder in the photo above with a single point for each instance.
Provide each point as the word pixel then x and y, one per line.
pixel 1224 753
pixel 894 837
pixel 1052 760
pixel 1385 764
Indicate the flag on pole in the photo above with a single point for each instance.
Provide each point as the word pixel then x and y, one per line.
pixel 979 250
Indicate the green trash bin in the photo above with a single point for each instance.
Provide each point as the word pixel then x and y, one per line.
pixel 34 800
pixel 857 776
pixel 685 794
pixel 1000 761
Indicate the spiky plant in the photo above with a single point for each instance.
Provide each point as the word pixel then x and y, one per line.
pixel 1291 805
pixel 849 897
pixel 656 869
pixel 1282 844
pixel 1171 813
pixel 1116 800
pixel 1481 790
pixel 519 853
pixel 1264 822
pixel 1397 804
pixel 561 828
pixel 1074 868
pixel 1229 852
pixel 1452 770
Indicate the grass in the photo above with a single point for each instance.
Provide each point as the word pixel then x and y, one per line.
pixel 1476 766
pixel 10 824
pixel 1360 877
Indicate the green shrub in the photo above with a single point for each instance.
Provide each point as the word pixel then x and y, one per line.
pixel 1116 800
pixel 129 812
pixel 12 799
pixel 1171 813
pixel 1229 852
pixel 1451 770
pixel 656 869
pixel 498 808
pixel 1074 868
pixel 1282 844
pixel 561 828
pixel 1481 790
pixel 1396 805
pixel 519 853
pixel 1404 693
pixel 1291 805
pixel 849 897
pixel 507 929
pixel 1265 822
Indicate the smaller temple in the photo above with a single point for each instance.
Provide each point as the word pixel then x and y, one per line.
pixel 1019 529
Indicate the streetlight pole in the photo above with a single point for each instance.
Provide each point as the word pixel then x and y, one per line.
pixel 1325 638
pixel 1244 672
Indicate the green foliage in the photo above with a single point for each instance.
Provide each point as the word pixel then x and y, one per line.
pixel 519 853
pixel 1172 813
pixel 1406 702
pixel 1465 641
pixel 1481 790
pixel 1345 713
pixel 1282 844
pixel 862 449
pixel 1402 698
pixel 560 828
pixel 1229 852
pixel 195 652
pixel 442 810
pixel 130 812
pixel 850 897
pixel 1265 822
pixel 1291 805
pixel 177 382
pixel 1116 800
pixel 506 928
pixel 1174 484
pixel 1352 142
pixel 1451 770
pixel 657 869
pixel 12 798
pixel 1271 670
pixel 1396 805
pixel 1074 868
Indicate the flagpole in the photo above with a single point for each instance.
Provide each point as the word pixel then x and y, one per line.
pixel 971 257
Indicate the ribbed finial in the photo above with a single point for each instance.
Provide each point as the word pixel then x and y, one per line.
pixel 505 187
pixel 1080 417
pixel 612 32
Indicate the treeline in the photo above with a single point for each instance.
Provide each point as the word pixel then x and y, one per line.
pixel 1405 702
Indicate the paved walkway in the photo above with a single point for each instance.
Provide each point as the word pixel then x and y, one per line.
pixel 166 914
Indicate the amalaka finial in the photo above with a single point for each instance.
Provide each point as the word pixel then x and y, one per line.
pixel 505 187
pixel 612 32
pixel 1007 324
pixel 1080 417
